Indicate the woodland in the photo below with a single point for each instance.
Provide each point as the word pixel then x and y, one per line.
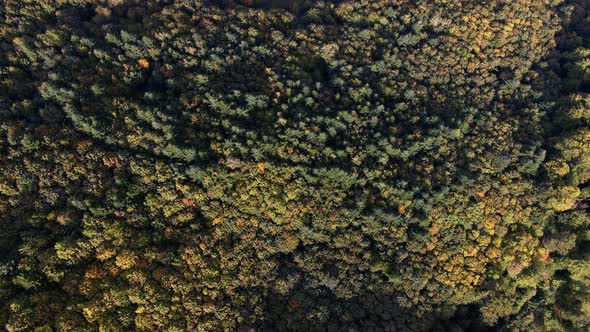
pixel 280 165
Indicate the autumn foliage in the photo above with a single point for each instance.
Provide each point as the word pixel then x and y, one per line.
pixel 270 165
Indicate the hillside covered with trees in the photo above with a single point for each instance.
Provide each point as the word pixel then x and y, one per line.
pixel 294 165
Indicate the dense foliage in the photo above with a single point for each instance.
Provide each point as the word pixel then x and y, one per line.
pixel 294 165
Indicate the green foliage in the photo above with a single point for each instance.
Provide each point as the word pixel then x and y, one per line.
pixel 294 165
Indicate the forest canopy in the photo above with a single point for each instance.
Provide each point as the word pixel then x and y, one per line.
pixel 280 165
